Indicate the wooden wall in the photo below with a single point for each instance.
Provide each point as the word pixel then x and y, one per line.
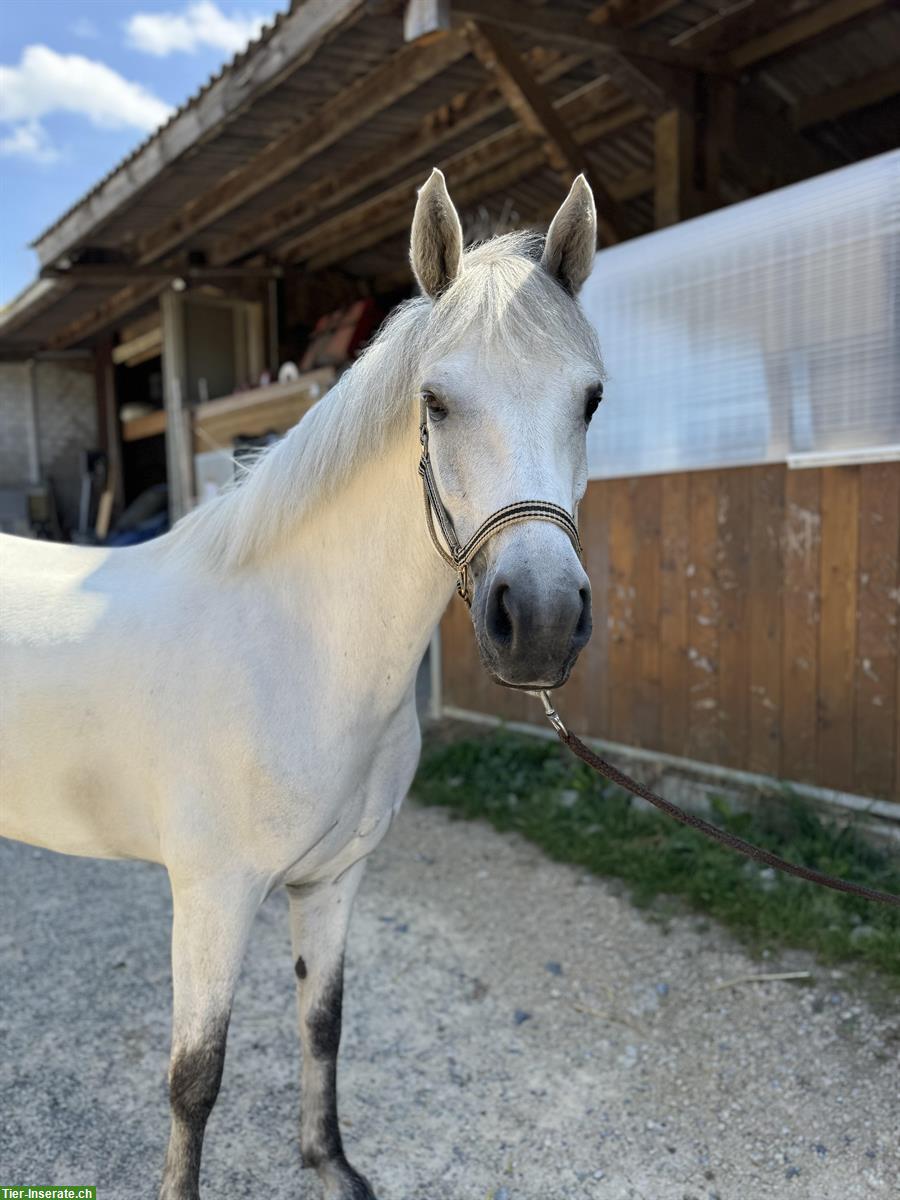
pixel 745 617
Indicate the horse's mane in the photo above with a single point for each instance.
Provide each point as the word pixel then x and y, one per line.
pixel 501 292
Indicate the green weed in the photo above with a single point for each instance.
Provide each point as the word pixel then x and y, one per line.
pixel 535 788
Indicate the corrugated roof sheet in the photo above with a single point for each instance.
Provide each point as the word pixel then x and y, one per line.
pixel 239 60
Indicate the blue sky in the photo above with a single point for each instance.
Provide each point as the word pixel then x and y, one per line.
pixel 82 82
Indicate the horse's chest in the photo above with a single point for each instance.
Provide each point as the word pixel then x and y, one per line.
pixel 361 783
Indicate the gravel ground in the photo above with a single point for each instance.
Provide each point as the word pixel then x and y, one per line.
pixel 514 1030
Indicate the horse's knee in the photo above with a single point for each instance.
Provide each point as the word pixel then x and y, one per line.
pixel 195 1076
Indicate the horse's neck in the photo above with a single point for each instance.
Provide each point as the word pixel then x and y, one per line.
pixel 363 569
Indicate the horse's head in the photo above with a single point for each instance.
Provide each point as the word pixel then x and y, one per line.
pixel 510 378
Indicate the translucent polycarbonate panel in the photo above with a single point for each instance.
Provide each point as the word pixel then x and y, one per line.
pixel 765 330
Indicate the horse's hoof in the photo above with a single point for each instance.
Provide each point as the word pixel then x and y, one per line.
pixel 342 1182
pixel 359 1189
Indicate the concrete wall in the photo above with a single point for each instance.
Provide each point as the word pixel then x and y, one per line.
pixel 56 414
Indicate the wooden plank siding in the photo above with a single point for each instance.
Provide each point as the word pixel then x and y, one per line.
pixel 746 617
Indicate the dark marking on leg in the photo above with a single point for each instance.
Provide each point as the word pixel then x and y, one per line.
pixel 194 1080
pixel 300 967
pixel 327 1147
pixel 325 1019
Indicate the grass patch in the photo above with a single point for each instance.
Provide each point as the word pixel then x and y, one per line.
pixel 535 788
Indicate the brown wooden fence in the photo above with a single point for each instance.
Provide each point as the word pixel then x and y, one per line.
pixel 745 617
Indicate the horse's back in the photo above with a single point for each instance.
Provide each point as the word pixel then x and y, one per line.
pixel 43 586
pixel 60 611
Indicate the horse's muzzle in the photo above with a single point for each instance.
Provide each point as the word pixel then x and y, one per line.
pixel 530 628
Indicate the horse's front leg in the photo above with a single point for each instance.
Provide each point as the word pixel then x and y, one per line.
pixel 211 923
pixel 320 915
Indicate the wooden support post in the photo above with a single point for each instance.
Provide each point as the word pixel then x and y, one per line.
pixel 272 327
pixel 34 429
pixel 108 419
pixel 675 194
pixel 179 465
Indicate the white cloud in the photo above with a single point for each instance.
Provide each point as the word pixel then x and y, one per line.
pixel 84 27
pixel 45 82
pixel 28 140
pixel 201 24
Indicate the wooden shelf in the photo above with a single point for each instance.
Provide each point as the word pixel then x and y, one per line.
pixel 252 413
pixel 143 427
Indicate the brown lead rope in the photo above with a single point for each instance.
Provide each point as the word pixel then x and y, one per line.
pixel 459 555
pixel 614 775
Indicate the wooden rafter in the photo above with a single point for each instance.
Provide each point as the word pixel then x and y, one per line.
pixel 636 183
pixel 631 13
pixel 871 89
pixel 513 144
pixel 747 127
pixel 495 163
pixel 397 77
pixel 532 106
pixel 809 25
pixel 106 314
pixel 104 274
pixel 732 26
pixel 764 149
pixel 465 111
pixel 551 27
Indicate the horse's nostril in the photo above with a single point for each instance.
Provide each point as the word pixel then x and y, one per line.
pixel 585 622
pixel 499 617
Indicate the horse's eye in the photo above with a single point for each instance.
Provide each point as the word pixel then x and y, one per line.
pixel 437 409
pixel 591 401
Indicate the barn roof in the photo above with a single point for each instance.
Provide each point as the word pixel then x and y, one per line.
pixel 306 149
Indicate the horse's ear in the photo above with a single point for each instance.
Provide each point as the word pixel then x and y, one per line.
pixel 437 240
pixel 572 238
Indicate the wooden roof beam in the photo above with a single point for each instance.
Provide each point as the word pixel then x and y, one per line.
pixel 114 273
pixel 550 27
pixel 732 26
pixel 494 163
pixel 401 74
pixel 627 13
pixel 465 111
pixel 820 20
pixel 871 89
pixel 636 183
pixel 764 149
pixel 532 106
pixel 106 314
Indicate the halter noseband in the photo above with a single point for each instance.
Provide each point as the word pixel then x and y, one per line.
pixel 458 555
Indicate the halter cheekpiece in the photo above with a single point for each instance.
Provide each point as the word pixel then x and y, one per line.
pixel 458 555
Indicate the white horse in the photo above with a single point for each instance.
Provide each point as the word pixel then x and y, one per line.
pixel 236 699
